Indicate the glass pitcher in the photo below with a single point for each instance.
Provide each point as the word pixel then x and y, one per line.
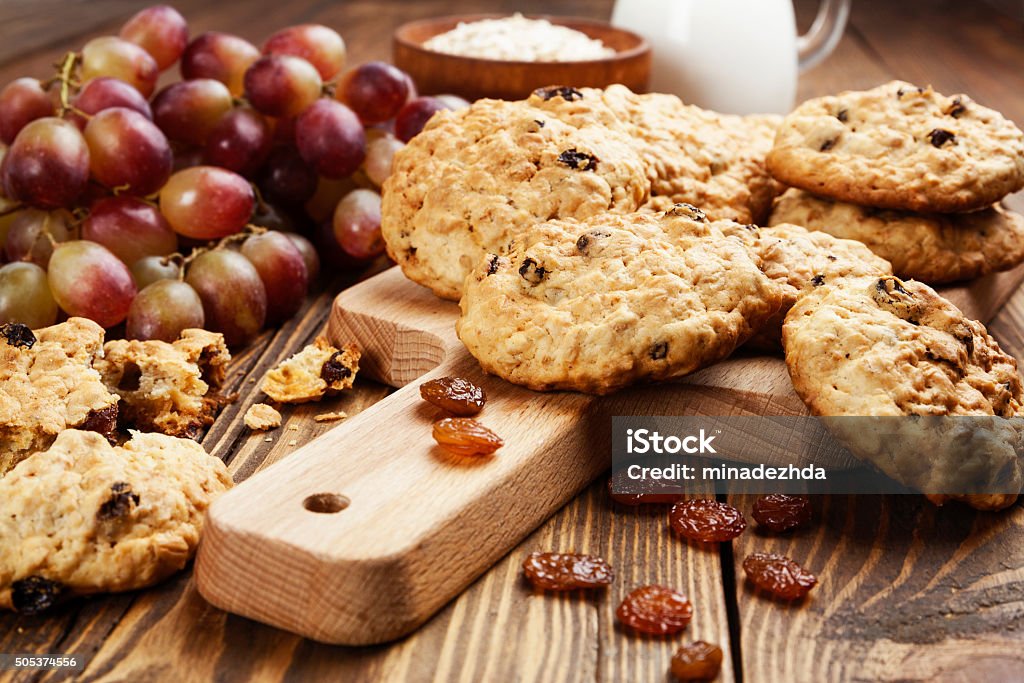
pixel 732 56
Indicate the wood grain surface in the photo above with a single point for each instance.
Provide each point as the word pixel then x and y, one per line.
pixel 909 592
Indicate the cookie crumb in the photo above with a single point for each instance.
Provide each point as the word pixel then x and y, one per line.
pixel 262 417
pixel 293 442
pixel 330 417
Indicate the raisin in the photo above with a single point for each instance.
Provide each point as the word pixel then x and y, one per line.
pixel 580 161
pixel 465 436
pixel 531 272
pixel 778 575
pixel 698 661
pixel 492 264
pixel 583 243
pixel 828 144
pixel 902 91
pixel 647 491
pixel 334 370
pixel 956 108
pixel 939 137
pixel 34 594
pixel 707 520
pixel 122 500
pixel 566 93
pixel 659 351
pixel 540 124
pixel 688 211
pixel 842 115
pixel 18 334
pixel 818 280
pixel 103 422
pixel 656 610
pixel 778 512
pixel 454 394
pixel 567 571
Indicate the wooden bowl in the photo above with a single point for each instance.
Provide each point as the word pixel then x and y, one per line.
pixel 437 73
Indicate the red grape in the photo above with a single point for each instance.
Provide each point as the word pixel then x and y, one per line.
pixel 267 216
pixel 380 152
pixel 25 296
pixel 330 139
pixel 106 92
pixel 414 116
pixel 162 310
pixel 47 165
pixel 206 202
pixel 187 158
pixel 282 85
pixel 328 249
pixel 130 228
pixel 161 31
pixel 308 252
pixel 127 151
pixel 89 281
pixel 320 46
pixel 30 232
pixel 240 142
pixel 189 111
pixel 234 300
pixel 22 101
pixel 329 191
pixel 375 91
pixel 283 271
pixel 357 225
pixel 286 178
pixel 221 56
pixel 150 269
pixel 110 56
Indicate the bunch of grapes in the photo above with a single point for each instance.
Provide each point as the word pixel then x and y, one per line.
pixel 209 203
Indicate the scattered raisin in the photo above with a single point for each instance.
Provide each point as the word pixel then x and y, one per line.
pixel 492 264
pixel 580 161
pixel 18 334
pixel 103 422
pixel 648 491
pixel 688 211
pixel 454 394
pixel 779 513
pixel 540 124
pixel 956 108
pixel 939 137
pixel 465 436
pixel 779 575
pixel 656 610
pixel 828 144
pixel 659 350
pixel 531 272
pixel 567 571
pixel 818 280
pixel 566 93
pixel 842 115
pixel 583 242
pixel 122 500
pixel 334 370
pixel 34 594
pixel 902 91
pixel 698 661
pixel 707 520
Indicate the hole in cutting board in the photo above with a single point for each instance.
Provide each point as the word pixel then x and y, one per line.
pixel 326 503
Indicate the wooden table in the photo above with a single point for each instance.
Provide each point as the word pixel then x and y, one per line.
pixel 908 591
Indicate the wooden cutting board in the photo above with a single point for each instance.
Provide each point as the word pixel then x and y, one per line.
pixel 402 527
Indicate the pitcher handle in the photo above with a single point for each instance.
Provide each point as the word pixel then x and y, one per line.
pixel 824 34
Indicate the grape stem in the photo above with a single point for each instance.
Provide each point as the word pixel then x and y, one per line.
pixel 248 231
pixel 66 78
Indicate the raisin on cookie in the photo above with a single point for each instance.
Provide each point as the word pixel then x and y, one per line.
pixel 886 348
pixel 599 304
pixel 801 260
pixel 48 384
pixel 934 248
pixel 316 371
pixel 474 178
pixel 85 517
pixel 898 146
pixel 171 388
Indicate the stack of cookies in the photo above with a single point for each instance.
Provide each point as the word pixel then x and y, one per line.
pixel 915 175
